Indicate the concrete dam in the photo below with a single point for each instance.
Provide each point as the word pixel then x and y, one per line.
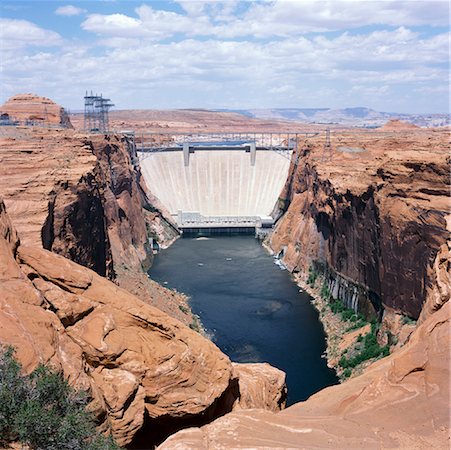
pixel 219 186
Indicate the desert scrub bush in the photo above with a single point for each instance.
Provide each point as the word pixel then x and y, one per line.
pixel 406 320
pixel 346 314
pixel 194 326
pixel 312 276
pixel 42 411
pixel 369 348
pixel 184 309
pixel 347 372
pixel 324 293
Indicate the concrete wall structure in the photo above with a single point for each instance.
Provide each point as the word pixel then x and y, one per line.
pixel 216 182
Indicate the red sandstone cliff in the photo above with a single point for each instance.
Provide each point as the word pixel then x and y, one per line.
pixel 375 214
pixel 35 110
pixel 82 196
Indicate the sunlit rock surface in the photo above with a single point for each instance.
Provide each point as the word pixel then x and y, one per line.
pixel 399 402
pixel 33 109
pixel 143 369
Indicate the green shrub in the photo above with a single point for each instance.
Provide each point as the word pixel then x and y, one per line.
pixel 194 325
pixel 369 349
pixel 312 276
pixel 406 320
pixel 43 411
pixel 324 293
pixel 12 393
pixel 184 309
pixel 347 372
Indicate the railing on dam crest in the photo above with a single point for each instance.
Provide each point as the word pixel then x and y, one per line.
pixel 284 144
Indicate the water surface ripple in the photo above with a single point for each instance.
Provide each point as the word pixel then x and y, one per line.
pixel 251 308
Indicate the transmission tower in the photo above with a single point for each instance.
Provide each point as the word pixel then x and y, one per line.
pixel 96 112
pixel 327 150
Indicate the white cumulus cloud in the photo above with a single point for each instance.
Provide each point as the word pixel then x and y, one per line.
pixel 69 10
pixel 281 18
pixel 15 34
pixel 150 23
pixel 242 55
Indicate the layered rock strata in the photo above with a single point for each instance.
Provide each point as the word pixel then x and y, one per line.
pixel 34 110
pixel 373 216
pixel 143 369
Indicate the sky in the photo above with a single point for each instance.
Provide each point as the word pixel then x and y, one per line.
pixel 387 55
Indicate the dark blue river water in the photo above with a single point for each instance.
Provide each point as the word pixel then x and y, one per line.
pixel 251 308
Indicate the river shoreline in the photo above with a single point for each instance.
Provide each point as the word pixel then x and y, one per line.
pixel 332 325
pixel 251 309
pixel 334 328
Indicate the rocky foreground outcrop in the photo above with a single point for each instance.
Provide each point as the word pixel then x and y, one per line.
pixel 144 370
pixel 373 216
pixel 34 110
pixel 401 401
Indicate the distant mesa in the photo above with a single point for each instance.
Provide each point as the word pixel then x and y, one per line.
pixel 395 125
pixel 31 109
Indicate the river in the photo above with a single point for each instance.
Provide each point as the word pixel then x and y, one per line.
pixel 251 309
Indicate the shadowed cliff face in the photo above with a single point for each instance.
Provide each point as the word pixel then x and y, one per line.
pixel 77 195
pixel 386 235
pixel 376 217
pixel 98 221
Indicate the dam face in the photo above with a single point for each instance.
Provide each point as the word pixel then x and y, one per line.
pixel 216 182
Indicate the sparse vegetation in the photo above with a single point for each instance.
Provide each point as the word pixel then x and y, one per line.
pixel 367 348
pixel 42 411
pixel 312 276
pixel 325 293
pixel 184 309
pixel 346 314
pixel 406 320
pixel 194 325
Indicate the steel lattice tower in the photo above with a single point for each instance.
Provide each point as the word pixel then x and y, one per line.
pixel 96 112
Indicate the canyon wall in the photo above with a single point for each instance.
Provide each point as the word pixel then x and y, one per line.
pixel 76 195
pixel 79 202
pixel 83 197
pixel 387 211
pixel 373 216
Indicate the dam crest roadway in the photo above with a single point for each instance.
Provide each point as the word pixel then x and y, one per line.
pixel 217 180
